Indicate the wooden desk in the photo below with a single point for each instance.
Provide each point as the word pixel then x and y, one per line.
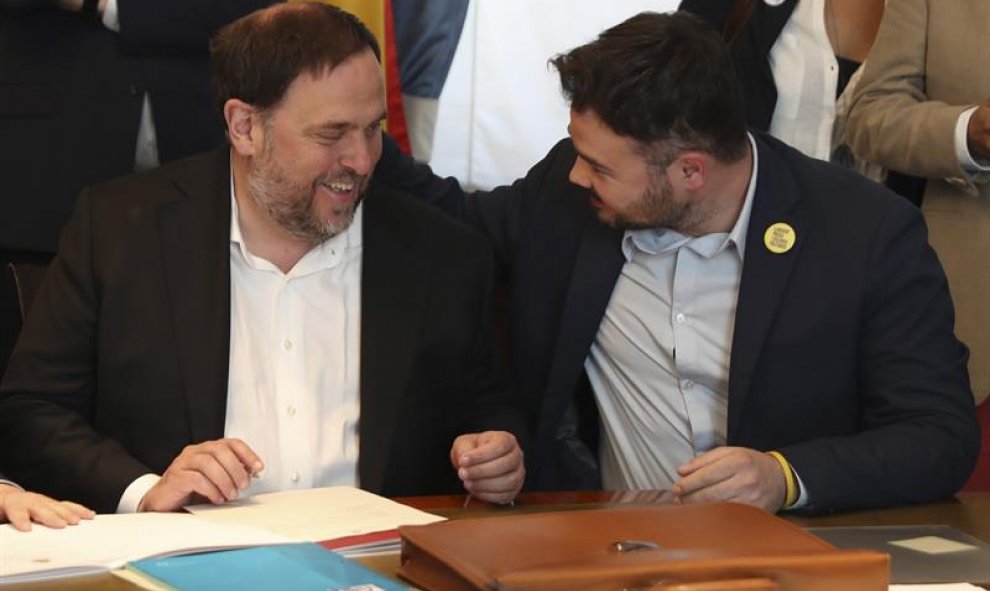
pixel 969 512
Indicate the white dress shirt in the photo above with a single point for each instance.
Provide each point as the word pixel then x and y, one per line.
pixel 293 386
pixel 294 362
pixel 978 170
pixel 806 74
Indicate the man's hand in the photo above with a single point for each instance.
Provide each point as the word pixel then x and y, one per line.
pixel 21 508
pixel 216 470
pixel 490 465
pixel 733 474
pixel 978 132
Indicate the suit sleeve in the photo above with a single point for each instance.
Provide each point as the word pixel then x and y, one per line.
pixel 500 214
pixel 918 438
pixel 177 26
pixel 892 121
pixel 47 408
pixel 494 405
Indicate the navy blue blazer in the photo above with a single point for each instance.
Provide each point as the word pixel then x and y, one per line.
pixel 843 356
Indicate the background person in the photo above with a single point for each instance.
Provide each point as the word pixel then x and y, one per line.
pixel 922 109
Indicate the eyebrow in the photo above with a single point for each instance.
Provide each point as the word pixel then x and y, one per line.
pixel 594 163
pixel 320 128
pixel 336 126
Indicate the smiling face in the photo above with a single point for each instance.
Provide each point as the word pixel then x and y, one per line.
pixel 318 147
pixel 626 190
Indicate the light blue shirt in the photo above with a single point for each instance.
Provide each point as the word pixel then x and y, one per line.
pixel 659 365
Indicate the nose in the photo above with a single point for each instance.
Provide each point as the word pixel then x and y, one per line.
pixel 362 154
pixel 579 173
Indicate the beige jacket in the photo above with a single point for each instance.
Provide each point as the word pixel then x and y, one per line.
pixel 931 62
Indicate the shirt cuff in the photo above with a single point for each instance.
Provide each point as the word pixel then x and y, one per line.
pixel 111 18
pixel 802 500
pixel 970 165
pixel 134 493
pixel 10 483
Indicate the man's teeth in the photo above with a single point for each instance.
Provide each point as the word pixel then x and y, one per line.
pixel 339 187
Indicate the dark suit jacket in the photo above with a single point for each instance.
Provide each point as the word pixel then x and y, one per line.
pixel 70 101
pixel 843 355
pixel 123 359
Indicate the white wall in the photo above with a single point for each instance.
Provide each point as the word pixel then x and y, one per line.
pixel 501 108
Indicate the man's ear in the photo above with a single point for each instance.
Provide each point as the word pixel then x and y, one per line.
pixel 244 127
pixel 692 169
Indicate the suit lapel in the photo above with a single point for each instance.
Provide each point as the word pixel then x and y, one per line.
pixel 195 242
pixel 765 274
pixel 597 266
pixel 393 292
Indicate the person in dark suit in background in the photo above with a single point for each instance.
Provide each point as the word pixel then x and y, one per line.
pixel 91 89
pixel 21 507
pixel 263 317
pixel 747 323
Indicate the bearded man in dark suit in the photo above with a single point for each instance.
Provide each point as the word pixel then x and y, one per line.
pixel 264 317
pixel 703 309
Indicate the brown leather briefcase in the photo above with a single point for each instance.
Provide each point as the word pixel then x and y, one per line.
pixel 720 547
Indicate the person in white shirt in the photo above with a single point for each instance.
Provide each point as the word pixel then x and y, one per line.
pixel 263 317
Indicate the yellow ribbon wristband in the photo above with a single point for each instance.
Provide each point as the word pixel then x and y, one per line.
pixel 792 488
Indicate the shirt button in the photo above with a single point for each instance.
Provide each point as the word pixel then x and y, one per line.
pixel 291 410
pixel 680 318
pixel 295 477
pixel 287 345
pixel 688 384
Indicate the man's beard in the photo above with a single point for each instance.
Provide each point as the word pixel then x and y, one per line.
pixel 656 208
pixel 290 204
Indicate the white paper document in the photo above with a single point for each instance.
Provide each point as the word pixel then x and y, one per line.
pixel 317 515
pixel 110 541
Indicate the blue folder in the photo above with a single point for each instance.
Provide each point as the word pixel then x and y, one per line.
pixel 290 567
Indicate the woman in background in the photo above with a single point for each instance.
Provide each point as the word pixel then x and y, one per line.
pixel 798 61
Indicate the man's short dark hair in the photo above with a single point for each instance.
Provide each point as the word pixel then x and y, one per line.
pixel 661 79
pixel 256 58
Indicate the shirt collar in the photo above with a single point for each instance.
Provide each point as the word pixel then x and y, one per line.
pixel 323 256
pixel 663 240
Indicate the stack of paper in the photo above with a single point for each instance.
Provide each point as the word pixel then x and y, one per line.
pixel 348 520
pixel 111 541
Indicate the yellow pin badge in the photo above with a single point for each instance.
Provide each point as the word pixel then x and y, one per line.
pixel 779 238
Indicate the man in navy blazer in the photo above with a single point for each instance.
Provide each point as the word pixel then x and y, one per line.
pixel 703 309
